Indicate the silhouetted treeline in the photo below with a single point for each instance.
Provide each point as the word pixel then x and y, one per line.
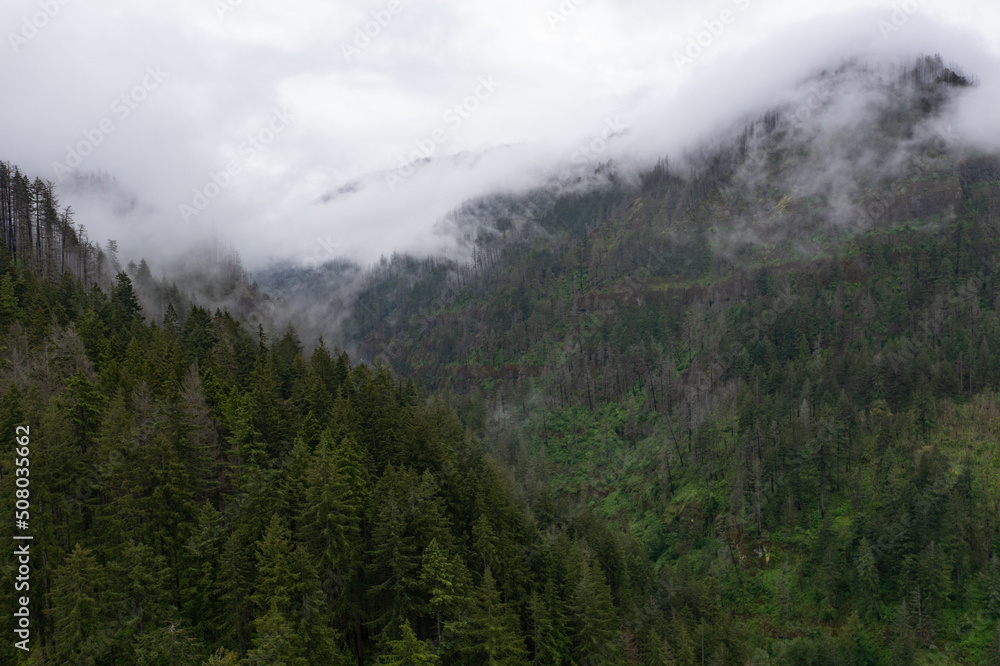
pixel 42 238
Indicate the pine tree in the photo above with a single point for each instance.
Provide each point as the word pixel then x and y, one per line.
pixel 310 395
pixel 84 404
pixel 291 499
pixel 310 431
pixel 493 633
pixel 275 579
pixel 407 650
pixel 125 309
pixel 393 564
pixel 223 657
pixel 924 417
pixel 171 500
pixel 234 590
pixel 658 651
pixel 903 646
pixel 150 498
pixel 275 642
pixel 138 594
pixel 171 321
pixel 199 571
pixel 330 517
pixel 9 309
pixel 309 608
pixel 868 575
pixel 597 633
pixel 441 581
pixel 263 401
pixel 275 638
pixel 547 627
pixel 169 645
pixel 197 334
pixel 197 439
pixel 484 540
pixel 247 446
pixel 79 609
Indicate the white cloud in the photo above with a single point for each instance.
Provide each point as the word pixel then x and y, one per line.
pixel 559 87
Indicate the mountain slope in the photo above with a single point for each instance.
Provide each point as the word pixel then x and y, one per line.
pixel 775 368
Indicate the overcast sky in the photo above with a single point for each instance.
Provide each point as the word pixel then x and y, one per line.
pixel 245 118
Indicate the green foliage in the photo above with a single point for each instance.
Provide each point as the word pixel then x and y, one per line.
pixel 492 633
pixel 596 629
pixel 670 448
pixel 8 302
pixel 407 651
pixel 79 608
pixel 442 579
pixel 756 440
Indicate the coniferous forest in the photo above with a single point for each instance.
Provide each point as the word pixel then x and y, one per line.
pixel 645 424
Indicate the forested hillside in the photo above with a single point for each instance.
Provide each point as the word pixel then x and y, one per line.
pixel 202 494
pixel 776 369
pixel 741 408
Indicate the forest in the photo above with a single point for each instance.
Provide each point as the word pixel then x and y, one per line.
pixel 700 416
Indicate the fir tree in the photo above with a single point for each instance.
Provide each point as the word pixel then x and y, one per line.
pixel 493 634
pixel 79 609
pixel 441 579
pixel 597 632
pixel 8 302
pixel 330 517
pixel 407 650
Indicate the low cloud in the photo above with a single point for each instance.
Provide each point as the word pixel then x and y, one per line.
pixel 320 185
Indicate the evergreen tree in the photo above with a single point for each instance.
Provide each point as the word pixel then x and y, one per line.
pixel 197 438
pixel 9 309
pixel 234 591
pixel 393 564
pixel 596 629
pixel 137 597
pixel 169 645
pixel 484 540
pixel 310 609
pixel 407 651
pixel 330 517
pixel 83 403
pixel 547 627
pixel 275 640
pixel 222 657
pixel 200 573
pixel 79 609
pixel 493 634
pixel 124 309
pixel 868 575
pixel 275 579
pixel 904 645
pixel 441 579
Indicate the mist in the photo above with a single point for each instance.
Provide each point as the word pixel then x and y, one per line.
pixel 288 133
